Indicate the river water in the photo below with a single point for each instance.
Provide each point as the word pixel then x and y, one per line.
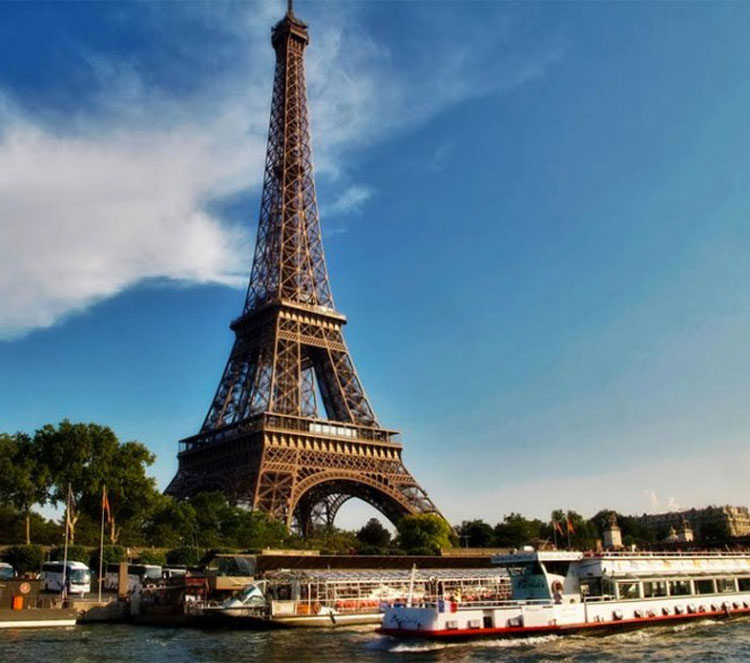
pixel 703 642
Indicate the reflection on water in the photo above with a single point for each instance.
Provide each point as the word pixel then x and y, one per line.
pixel 703 642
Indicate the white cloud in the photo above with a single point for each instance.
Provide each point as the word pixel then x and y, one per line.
pixel 657 505
pixel 349 201
pixel 85 218
pixel 94 203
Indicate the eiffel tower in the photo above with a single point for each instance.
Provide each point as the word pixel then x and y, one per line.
pixel 264 441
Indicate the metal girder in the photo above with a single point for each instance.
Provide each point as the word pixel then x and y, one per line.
pixel 264 440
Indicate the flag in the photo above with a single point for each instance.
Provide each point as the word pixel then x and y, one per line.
pixel 105 505
pixel 557 526
pixel 571 529
pixel 68 519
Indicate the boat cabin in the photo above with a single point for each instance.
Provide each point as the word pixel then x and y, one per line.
pixel 543 575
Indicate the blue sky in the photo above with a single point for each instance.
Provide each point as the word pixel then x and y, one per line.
pixel 535 218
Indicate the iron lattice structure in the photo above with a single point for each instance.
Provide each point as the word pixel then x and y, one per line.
pixel 264 440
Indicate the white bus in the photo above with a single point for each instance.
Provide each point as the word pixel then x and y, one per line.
pixel 139 575
pixel 77 577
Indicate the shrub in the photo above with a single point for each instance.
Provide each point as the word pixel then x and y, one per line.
pixel 153 557
pixel 424 551
pixel 110 555
pixel 25 559
pixel 184 556
pixel 76 553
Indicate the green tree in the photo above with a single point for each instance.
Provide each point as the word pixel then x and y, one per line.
pixel 516 531
pixel 24 559
pixel 256 530
pixel 216 520
pixel 24 478
pixel 88 457
pixel 184 556
pixel 714 532
pixel 374 535
pixel 333 541
pixel 110 555
pixel 171 523
pixel 424 532
pixel 131 494
pixel 76 553
pixel 77 456
pixel 157 557
pixel 476 534
pixel 584 533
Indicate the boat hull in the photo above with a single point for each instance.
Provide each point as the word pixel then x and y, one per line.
pixel 37 618
pixel 592 628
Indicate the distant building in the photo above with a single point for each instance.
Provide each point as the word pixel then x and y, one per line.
pixel 685 535
pixel 735 520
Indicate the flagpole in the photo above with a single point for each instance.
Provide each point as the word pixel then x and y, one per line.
pixel 101 542
pixel 65 547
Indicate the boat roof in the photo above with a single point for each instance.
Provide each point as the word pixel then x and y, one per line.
pixel 523 556
pixel 386 575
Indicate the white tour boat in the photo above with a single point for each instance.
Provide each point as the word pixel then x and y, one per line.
pixel 563 592
pixel 345 597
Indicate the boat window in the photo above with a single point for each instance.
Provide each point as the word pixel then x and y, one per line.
pixel 558 568
pixel 629 590
pixel 525 569
pixel 725 585
pixel 591 587
pixel 679 587
pixel 744 584
pixel 704 586
pixel 652 588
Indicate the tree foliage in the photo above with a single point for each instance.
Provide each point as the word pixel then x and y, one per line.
pixel 13 527
pixel 184 556
pixel 424 532
pixel 515 531
pixel 374 536
pixel 76 553
pixel 88 457
pixel 476 534
pixel 25 559
pixel 24 478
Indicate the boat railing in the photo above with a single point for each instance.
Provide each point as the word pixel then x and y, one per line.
pixel 326 606
pixel 666 553
pixel 448 604
pixel 599 599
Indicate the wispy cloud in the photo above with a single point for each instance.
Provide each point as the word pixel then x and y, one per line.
pixel 351 200
pixel 656 504
pixel 95 201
